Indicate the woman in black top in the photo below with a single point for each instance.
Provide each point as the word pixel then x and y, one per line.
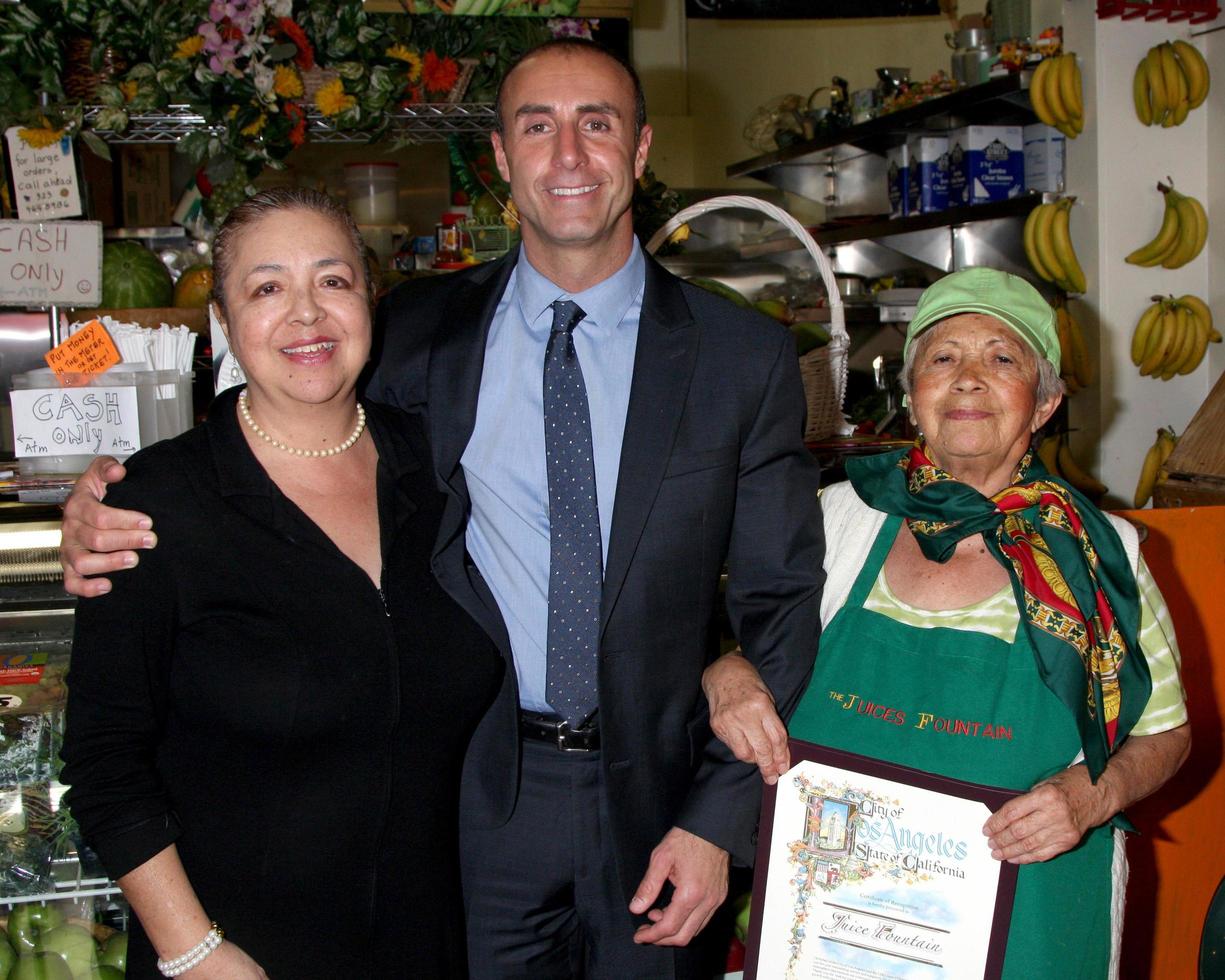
pixel 267 717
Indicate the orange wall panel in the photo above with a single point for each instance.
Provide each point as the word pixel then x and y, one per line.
pixel 1179 858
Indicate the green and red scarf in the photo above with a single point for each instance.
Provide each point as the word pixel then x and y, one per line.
pixel 1072 579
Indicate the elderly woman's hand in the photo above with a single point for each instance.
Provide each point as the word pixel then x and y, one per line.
pixel 1053 816
pixel 1048 820
pixel 742 715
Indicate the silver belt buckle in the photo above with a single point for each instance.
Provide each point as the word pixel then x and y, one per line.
pixel 563 729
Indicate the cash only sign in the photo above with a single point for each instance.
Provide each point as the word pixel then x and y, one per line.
pixel 49 264
pixel 870 870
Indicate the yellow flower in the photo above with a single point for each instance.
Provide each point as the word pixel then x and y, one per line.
pixel 331 99
pixel 410 58
pixel 256 127
pixel 189 47
pixel 287 83
pixel 40 138
pixel 128 89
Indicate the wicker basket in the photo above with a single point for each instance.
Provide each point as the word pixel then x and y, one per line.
pixel 823 370
pixel 80 80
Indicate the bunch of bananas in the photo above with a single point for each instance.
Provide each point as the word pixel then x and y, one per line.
pixel 1170 81
pixel 1172 335
pixel 1184 230
pixel 1048 245
pixel 1152 471
pixel 1055 94
pixel 1075 364
pixel 1057 457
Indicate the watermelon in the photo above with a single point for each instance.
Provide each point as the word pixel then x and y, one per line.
pixel 133 277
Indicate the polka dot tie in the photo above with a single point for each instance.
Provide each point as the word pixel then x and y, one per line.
pixel 575 563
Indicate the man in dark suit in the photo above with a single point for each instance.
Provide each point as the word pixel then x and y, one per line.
pixel 587 524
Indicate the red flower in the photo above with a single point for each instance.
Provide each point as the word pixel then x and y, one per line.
pixel 439 74
pixel 305 58
pixel 294 113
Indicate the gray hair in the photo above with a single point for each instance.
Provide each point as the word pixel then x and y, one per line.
pixel 1049 385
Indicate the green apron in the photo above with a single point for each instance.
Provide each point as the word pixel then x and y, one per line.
pixel 972 707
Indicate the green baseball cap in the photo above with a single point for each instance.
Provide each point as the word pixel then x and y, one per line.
pixel 999 294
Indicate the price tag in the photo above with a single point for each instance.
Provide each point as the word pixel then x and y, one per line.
pixel 45 178
pixel 88 351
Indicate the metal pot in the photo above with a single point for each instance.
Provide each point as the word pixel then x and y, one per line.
pixel 973 51
pixel 850 285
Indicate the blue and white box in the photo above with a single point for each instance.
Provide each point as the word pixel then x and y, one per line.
pixel 929 173
pixel 1045 158
pixel 898 167
pixel 986 163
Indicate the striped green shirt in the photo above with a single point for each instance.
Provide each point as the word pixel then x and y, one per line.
pixel 998 616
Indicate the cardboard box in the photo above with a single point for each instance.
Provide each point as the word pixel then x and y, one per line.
pixel 99 187
pixel 1045 158
pixel 144 178
pixel 898 160
pixel 986 163
pixel 929 173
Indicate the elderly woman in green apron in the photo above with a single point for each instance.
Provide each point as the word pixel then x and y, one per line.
pixel 1011 625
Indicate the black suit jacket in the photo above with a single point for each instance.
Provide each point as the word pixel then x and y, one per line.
pixel 713 469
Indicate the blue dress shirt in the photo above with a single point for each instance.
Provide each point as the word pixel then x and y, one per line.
pixel 508 529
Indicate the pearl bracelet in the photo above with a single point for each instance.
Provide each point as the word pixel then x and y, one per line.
pixel 194 956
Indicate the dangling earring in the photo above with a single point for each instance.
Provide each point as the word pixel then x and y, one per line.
pixel 235 369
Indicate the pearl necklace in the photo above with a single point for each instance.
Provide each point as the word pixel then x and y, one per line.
pixel 314 453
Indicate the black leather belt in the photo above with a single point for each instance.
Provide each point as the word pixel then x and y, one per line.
pixel 544 728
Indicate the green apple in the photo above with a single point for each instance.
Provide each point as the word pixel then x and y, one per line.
pixel 7 956
pixel 28 921
pixel 114 952
pixel 107 973
pixel 74 945
pixel 741 908
pixel 40 966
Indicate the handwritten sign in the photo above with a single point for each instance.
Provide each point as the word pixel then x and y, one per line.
pixel 45 178
pixel 50 262
pixel 88 351
pixel 75 421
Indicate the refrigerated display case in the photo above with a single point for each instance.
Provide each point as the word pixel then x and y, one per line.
pixel 55 897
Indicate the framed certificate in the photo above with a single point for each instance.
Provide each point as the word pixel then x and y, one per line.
pixel 867 869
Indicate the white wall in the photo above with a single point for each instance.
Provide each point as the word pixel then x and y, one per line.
pixel 1113 169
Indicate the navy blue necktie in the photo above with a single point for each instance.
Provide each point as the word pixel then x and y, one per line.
pixel 575 562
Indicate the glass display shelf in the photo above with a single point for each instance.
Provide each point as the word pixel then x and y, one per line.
pixel 70 883
pixel 425 122
pixel 998 101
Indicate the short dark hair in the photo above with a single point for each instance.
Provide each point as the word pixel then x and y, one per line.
pixel 269 202
pixel 574 45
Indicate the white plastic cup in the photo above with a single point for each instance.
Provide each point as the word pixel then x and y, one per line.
pixel 373 192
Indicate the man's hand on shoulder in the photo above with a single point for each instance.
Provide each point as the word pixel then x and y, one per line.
pixel 698 872
pixel 97 539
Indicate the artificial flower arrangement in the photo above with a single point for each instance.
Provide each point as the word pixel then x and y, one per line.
pixel 258 71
